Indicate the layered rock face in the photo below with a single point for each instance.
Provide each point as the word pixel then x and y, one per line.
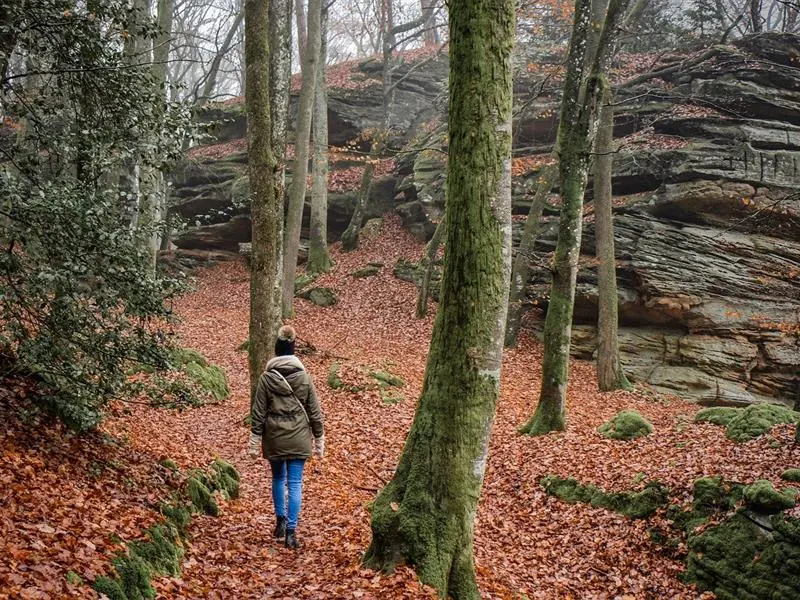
pixel 707 212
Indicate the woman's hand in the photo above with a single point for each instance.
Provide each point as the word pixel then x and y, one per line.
pixel 254 449
pixel 319 446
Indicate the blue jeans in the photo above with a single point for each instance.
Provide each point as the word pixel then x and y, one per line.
pixel 287 473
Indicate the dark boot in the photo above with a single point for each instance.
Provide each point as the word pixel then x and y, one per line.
pixel 280 528
pixel 291 540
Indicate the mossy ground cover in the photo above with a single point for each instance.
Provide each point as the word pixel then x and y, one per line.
pixel 634 504
pixel 744 424
pixel 160 549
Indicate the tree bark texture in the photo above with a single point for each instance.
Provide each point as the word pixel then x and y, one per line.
pixel 264 209
pixel 280 27
pixel 319 260
pixel 425 516
pixel 521 271
pixel 610 375
pixel 576 132
pixel 297 190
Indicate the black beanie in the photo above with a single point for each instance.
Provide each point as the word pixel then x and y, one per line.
pixel 284 345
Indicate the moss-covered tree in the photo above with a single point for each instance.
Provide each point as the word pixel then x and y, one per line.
pixel 297 189
pixel 425 515
pixel 576 133
pixel 265 210
pixel 319 260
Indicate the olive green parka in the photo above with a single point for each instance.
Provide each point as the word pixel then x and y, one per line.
pixel 285 411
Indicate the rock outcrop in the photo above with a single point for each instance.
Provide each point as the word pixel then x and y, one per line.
pixel 707 210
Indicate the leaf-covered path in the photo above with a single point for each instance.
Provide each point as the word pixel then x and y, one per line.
pixel 527 544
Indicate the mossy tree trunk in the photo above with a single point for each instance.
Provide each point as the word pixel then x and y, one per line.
pixel 297 189
pixel 610 375
pixel 576 132
pixel 521 271
pixel 425 516
pixel 280 27
pixel 428 261
pixel 319 260
pixel 265 211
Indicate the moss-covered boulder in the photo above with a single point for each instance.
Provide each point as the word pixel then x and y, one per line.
pixel 180 357
pixel 211 380
pixel 791 475
pixel 321 296
pixel 743 424
pixel 762 497
pixel 391 397
pixel 302 281
pixel 625 425
pixel 368 271
pixel 744 558
pixel 633 504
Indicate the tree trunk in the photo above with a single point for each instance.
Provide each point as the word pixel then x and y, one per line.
pixel 610 375
pixel 280 27
pixel 521 273
pixel 425 516
pixel 265 212
pixel 319 260
pixel 297 190
pixel 429 261
pixel 576 131
pixel 302 38
pixel 351 235
pixel 756 22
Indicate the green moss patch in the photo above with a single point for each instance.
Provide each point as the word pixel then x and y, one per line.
pixel 385 378
pixel 226 478
pixel 746 559
pixel 210 379
pixel 390 397
pixel 321 296
pixel 625 425
pixel 201 497
pixel 302 281
pixel 161 550
pixel 791 475
pixel 368 271
pixel 763 498
pixel 743 424
pixel 334 381
pixel 633 504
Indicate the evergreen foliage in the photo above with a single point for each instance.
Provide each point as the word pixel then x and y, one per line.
pixel 78 298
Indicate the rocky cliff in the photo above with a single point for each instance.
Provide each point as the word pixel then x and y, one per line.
pixel 707 209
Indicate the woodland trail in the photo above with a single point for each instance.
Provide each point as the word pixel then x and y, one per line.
pixel 527 544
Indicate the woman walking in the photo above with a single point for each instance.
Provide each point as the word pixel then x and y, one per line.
pixel 286 429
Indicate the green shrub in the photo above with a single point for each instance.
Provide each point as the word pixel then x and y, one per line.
pixel 625 425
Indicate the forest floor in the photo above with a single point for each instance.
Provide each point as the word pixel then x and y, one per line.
pixel 66 502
